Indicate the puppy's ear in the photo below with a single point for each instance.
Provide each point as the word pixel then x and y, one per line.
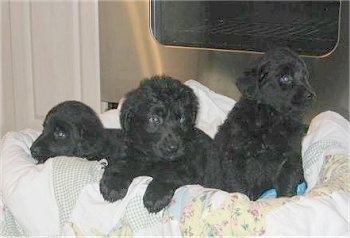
pixel 262 74
pixel 126 115
pixel 194 110
pixel 125 120
pixel 249 84
pixel 90 128
pixel 192 100
pixel 85 133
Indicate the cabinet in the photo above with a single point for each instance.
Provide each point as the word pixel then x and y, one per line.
pixel 50 53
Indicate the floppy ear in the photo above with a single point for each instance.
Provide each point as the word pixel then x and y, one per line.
pixel 90 128
pixel 194 112
pixel 262 73
pixel 192 103
pixel 126 115
pixel 249 84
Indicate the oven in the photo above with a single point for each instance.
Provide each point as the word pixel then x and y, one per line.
pixel 214 41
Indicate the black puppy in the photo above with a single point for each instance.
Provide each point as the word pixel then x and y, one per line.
pixel 158 121
pixel 72 128
pixel 259 144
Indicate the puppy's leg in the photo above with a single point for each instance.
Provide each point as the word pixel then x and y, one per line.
pixel 288 179
pixel 159 194
pixel 114 184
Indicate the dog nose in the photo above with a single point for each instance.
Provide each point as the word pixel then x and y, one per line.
pixel 172 148
pixel 310 95
pixel 35 151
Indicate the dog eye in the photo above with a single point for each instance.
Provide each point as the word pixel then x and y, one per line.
pixel 182 119
pixel 59 134
pixel 155 120
pixel 285 80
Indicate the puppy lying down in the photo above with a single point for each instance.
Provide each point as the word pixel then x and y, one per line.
pixel 161 141
pixel 260 142
pixel 72 128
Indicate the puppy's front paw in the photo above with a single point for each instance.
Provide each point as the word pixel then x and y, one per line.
pixel 111 195
pixel 156 202
pixel 113 188
pixel 158 195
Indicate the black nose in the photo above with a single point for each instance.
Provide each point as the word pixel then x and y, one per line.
pixel 35 151
pixel 310 95
pixel 172 148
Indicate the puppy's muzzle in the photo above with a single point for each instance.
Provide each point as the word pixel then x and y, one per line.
pixel 35 151
pixel 171 149
pixel 309 95
pixel 38 154
pixel 304 97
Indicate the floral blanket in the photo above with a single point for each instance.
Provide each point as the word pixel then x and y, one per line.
pixel 237 215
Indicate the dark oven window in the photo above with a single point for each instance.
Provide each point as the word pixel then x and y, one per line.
pixel 308 27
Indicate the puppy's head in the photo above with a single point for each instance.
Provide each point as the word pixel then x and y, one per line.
pixel 159 116
pixel 279 79
pixel 71 128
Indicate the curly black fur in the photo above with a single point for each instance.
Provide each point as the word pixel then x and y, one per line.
pixel 158 121
pixel 72 128
pixel 260 141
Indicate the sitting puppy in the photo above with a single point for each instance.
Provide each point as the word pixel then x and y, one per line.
pixel 260 141
pixel 73 129
pixel 158 121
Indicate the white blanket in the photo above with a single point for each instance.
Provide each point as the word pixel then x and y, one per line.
pixel 39 200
